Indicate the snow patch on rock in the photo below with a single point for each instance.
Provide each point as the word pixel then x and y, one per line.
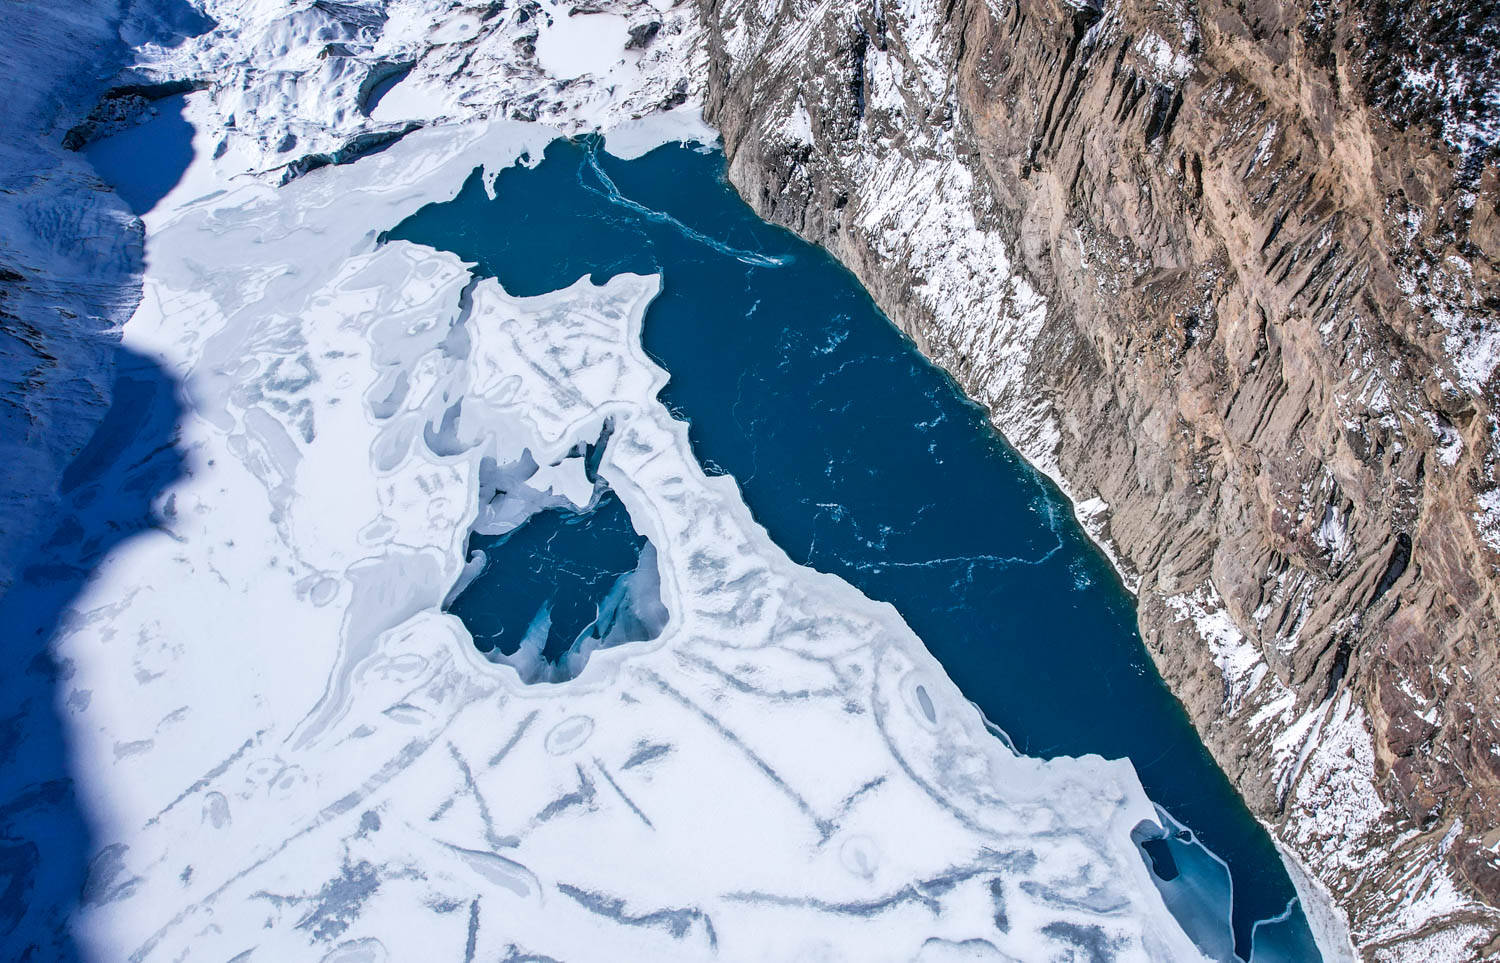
pixel 1239 661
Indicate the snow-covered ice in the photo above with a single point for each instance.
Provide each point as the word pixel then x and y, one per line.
pixel 576 44
pixel 288 747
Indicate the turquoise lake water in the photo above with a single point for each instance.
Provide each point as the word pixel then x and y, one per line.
pixel 864 460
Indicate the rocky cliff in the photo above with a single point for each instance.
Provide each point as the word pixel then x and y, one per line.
pixel 1226 270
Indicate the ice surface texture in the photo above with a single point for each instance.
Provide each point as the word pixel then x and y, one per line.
pixel 313 758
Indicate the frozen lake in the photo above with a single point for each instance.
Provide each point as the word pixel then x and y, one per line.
pixel 861 459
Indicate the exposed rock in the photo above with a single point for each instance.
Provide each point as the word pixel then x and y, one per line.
pixel 1227 271
pixel 642 34
pixel 123 105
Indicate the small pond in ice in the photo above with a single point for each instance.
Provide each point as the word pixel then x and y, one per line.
pixel 559 586
pixel 861 459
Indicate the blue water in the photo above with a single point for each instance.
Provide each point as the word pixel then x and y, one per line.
pixel 555 574
pixel 863 459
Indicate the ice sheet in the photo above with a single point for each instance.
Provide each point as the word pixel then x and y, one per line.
pixel 291 750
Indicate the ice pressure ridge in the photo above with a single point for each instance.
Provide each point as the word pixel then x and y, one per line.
pixel 310 758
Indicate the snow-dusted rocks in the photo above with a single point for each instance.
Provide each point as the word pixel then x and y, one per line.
pixel 289 87
pixel 302 84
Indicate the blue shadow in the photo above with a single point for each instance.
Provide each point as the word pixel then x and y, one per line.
pixel 108 493
pixel 143 163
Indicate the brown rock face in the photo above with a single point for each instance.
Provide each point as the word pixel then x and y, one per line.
pixel 1228 270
